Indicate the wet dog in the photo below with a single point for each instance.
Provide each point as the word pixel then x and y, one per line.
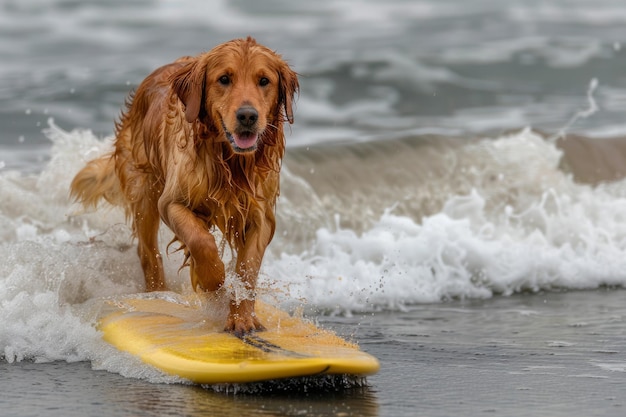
pixel 200 146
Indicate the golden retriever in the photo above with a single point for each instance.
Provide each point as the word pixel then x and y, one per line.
pixel 200 146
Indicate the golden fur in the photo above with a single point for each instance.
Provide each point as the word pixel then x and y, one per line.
pixel 200 145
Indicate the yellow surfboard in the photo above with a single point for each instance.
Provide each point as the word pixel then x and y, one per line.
pixel 179 338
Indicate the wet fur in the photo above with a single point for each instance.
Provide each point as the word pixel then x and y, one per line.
pixel 174 160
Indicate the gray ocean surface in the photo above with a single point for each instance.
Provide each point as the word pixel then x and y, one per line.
pixel 452 199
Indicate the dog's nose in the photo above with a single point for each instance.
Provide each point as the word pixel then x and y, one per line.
pixel 247 116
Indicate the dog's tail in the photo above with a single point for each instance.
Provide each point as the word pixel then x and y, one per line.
pixel 96 181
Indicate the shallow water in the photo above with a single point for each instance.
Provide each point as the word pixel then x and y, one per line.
pixel 549 354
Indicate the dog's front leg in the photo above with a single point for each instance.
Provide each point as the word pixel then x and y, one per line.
pixel 207 269
pixel 242 318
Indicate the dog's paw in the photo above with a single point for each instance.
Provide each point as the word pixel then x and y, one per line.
pixel 208 275
pixel 240 325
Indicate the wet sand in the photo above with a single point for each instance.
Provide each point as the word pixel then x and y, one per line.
pixel 548 354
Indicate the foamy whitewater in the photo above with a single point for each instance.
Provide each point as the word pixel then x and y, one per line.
pixel 526 226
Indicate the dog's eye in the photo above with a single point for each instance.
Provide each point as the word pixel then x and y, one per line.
pixel 224 80
pixel 263 82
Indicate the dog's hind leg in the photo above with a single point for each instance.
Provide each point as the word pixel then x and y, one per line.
pixel 146 224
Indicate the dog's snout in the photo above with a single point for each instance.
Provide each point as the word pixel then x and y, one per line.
pixel 247 116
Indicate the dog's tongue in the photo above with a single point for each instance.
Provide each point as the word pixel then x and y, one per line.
pixel 246 140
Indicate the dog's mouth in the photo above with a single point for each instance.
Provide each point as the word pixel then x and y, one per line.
pixel 243 141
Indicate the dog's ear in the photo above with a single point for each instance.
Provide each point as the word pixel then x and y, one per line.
pixel 189 83
pixel 288 87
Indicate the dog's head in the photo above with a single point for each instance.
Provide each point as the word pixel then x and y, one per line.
pixel 241 88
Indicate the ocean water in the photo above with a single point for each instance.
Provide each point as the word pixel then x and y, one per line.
pixel 431 167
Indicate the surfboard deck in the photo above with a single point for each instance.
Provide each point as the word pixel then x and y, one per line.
pixel 181 339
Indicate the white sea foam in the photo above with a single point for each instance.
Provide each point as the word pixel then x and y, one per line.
pixel 557 242
pixel 526 226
